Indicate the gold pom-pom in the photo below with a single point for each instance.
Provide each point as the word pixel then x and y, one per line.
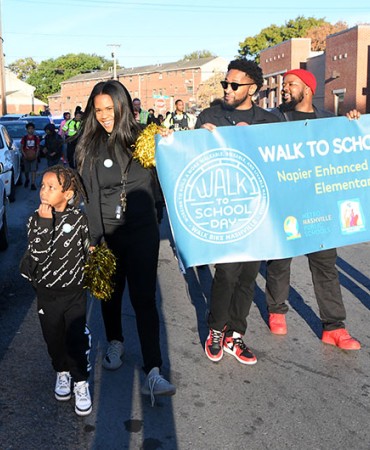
pixel 98 272
pixel 144 148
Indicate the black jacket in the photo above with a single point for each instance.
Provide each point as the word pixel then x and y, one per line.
pixel 57 250
pixel 222 117
pixel 286 116
pixel 104 187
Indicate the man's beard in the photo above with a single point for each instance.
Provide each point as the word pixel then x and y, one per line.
pixel 291 105
pixel 234 105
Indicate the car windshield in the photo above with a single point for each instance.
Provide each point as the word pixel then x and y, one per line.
pixel 16 130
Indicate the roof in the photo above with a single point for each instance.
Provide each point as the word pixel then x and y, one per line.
pixel 107 74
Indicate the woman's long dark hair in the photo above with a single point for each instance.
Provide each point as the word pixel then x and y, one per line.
pixel 92 135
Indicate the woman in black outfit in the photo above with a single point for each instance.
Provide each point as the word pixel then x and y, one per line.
pixel 121 210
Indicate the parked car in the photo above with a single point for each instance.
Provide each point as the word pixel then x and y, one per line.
pixel 16 130
pixel 10 163
pixel 10 117
pixel 3 218
pixel 57 121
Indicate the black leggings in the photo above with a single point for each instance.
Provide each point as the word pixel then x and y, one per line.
pixel 137 259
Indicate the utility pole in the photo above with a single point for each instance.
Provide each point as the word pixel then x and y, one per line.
pixel 2 71
pixel 114 59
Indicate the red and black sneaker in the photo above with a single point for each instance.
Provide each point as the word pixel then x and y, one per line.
pixel 235 346
pixel 214 345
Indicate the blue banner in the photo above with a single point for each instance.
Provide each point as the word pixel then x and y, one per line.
pixel 266 191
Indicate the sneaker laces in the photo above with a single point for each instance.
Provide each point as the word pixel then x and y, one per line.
pixel 82 392
pixel 216 337
pixel 113 351
pixel 153 380
pixel 63 380
pixel 240 343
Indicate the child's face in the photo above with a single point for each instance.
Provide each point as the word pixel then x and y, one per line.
pixel 30 130
pixel 51 192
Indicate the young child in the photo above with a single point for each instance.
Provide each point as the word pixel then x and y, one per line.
pixel 30 146
pixel 58 243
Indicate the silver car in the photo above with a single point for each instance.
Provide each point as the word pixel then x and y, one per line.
pixel 10 163
pixel 3 222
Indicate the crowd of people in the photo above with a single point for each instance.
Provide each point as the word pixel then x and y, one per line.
pixel 123 208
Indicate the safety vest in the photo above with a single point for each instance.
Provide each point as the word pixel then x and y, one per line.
pixel 71 127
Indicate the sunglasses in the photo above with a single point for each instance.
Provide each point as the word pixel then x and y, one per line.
pixel 234 86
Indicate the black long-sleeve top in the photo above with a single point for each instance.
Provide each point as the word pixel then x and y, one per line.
pixel 58 248
pixel 104 187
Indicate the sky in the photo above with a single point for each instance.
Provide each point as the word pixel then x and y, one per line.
pixel 151 32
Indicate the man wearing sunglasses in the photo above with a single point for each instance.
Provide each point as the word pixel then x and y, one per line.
pixel 299 86
pixel 233 283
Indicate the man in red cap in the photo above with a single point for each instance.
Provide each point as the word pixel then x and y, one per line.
pixel 299 86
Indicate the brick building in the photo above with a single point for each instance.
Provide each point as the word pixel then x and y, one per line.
pixel 342 71
pixel 158 86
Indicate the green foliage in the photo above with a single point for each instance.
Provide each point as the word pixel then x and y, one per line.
pixel 47 76
pixel 197 55
pixel 23 67
pixel 272 35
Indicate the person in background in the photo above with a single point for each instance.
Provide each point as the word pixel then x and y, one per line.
pixel 62 133
pixel 70 129
pixel 233 283
pixel 299 87
pixel 30 147
pixel 151 117
pixel 141 115
pixel 121 211
pixel 58 242
pixel 53 147
pixel 66 117
pixel 179 119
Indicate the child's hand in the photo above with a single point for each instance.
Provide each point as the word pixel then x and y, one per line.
pixel 45 211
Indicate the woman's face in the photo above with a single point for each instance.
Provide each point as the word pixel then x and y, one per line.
pixel 104 111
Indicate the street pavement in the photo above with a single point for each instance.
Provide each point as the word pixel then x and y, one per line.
pixel 301 394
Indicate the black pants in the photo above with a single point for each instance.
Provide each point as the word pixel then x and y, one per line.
pixel 232 295
pixel 63 322
pixel 325 283
pixel 137 259
pixel 71 148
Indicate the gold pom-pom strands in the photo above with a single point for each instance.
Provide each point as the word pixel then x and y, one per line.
pixel 98 273
pixel 144 149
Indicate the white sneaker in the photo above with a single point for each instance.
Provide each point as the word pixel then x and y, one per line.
pixel 62 389
pixel 113 358
pixel 83 405
pixel 155 384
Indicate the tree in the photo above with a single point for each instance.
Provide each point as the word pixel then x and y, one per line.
pixel 318 34
pixel 48 75
pixel 197 55
pixel 210 90
pixel 316 29
pixel 23 67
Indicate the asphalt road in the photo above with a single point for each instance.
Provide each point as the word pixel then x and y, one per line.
pixel 301 394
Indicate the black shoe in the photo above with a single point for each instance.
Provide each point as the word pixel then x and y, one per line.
pixel 33 187
pixel 26 183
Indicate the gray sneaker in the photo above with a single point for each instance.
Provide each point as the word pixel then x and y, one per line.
pixel 62 389
pixel 83 405
pixel 155 384
pixel 113 358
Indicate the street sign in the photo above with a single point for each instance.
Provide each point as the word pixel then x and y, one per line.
pixel 160 103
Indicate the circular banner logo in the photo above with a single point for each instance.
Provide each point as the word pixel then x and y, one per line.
pixel 221 196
